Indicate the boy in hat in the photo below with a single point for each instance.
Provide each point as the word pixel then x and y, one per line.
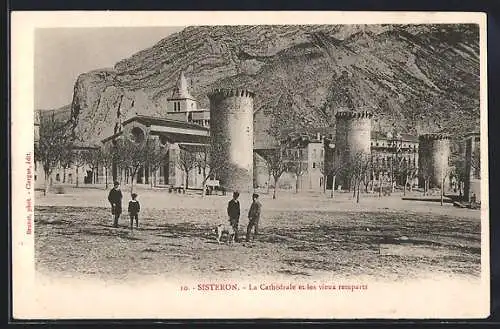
pixel 233 211
pixel 115 199
pixel 253 216
pixel 133 210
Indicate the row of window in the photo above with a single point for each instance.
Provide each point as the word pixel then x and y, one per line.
pixel 201 122
pixel 177 106
pixel 404 145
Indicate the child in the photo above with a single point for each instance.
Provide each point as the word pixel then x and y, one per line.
pixel 133 210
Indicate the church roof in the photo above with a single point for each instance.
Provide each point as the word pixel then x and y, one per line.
pixel 181 90
pixel 149 120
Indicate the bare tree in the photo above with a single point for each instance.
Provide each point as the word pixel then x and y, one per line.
pixel 79 159
pixel 276 165
pixel 66 161
pixel 131 156
pixel 92 158
pixel 106 155
pixel 53 147
pixel 368 172
pixel 322 170
pixel 212 161
pixel 297 166
pixel 333 168
pixel 425 169
pixel 155 154
pixel 377 171
pixel 186 161
pixel 408 172
pixel 446 172
pixel 360 165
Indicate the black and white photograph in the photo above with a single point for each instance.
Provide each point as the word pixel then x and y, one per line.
pixel 331 167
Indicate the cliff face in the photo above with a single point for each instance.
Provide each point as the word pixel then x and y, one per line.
pixel 419 78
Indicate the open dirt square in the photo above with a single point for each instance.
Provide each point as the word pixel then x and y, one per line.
pixel 301 235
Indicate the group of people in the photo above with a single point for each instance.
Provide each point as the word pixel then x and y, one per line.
pixel 233 211
pixel 115 197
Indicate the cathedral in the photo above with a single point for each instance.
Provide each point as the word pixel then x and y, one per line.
pixel 184 127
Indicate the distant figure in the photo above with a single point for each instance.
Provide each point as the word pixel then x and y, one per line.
pixel 233 211
pixel 133 210
pixel 473 198
pixel 253 217
pixel 115 199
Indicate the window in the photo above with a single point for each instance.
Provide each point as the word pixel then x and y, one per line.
pixel 163 140
pixel 137 135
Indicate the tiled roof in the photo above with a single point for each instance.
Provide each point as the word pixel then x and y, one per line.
pixel 184 138
pixel 173 137
pixel 148 121
pixel 111 137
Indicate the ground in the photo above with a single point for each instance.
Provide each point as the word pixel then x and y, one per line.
pixel 301 235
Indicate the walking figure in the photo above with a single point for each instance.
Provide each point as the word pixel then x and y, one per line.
pixel 115 199
pixel 233 211
pixel 133 210
pixel 253 217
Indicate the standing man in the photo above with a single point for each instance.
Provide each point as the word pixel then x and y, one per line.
pixel 115 199
pixel 233 211
pixel 254 216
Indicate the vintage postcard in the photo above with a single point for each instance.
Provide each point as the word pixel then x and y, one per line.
pixel 328 165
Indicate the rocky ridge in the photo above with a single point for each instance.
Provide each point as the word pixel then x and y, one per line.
pixel 417 78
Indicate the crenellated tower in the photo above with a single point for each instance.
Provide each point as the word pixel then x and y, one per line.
pixel 352 137
pixel 433 158
pixel 231 134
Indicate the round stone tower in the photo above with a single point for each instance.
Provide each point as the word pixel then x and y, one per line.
pixel 231 135
pixel 353 136
pixel 433 157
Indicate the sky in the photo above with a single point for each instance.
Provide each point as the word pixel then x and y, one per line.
pixel 61 54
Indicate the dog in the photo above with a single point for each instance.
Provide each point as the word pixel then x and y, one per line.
pixel 222 229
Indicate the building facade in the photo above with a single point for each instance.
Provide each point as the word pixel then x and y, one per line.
pixel 472 183
pixel 62 174
pixel 182 144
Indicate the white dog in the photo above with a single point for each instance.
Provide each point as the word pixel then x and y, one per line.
pixel 227 229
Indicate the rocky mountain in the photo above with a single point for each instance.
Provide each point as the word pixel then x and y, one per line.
pixel 417 78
